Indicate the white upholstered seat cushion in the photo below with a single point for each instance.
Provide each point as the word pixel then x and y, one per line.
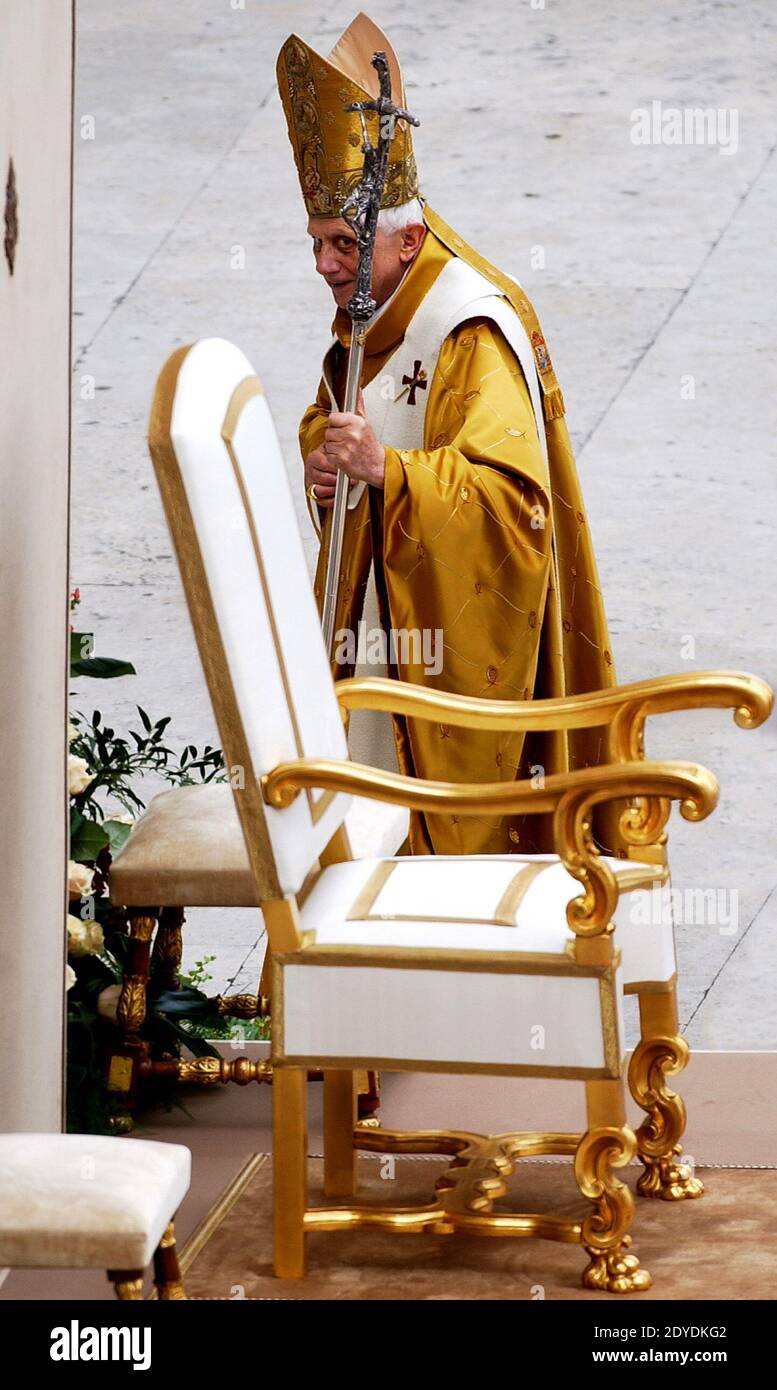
pixel 444 963
pixel 420 902
pixel 187 850
pixel 86 1201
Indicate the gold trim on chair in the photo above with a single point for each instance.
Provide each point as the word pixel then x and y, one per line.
pixel 448 958
pixel 206 629
pixel 750 697
pixel 475 962
pixel 403 1064
pixel 247 391
pixel 368 893
pixel 651 986
pixel 506 911
pixel 504 914
pixel 694 786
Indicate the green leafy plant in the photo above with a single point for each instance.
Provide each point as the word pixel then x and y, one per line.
pixel 117 760
pixel 231 1030
pixel 216 1027
pixel 82 663
pixel 199 974
pixel 105 768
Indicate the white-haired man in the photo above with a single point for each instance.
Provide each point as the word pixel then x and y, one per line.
pixel 464 500
pixel 350 442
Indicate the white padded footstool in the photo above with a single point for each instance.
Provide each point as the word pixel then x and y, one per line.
pixel 86 1201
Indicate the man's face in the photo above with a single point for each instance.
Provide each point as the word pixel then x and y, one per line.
pixel 337 257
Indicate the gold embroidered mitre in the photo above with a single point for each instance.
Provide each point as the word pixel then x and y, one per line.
pixel 326 139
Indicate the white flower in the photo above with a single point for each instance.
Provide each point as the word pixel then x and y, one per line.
pixel 76 936
pixel 78 774
pixel 80 880
pixel 108 1002
pixel 70 977
pixel 96 939
pixel 84 938
pixel 72 731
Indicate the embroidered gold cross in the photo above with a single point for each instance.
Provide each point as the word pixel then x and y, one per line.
pixel 417 379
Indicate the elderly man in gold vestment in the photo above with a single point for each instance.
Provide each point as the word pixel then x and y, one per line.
pixel 477 529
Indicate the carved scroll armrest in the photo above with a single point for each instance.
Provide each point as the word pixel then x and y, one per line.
pixel 624 707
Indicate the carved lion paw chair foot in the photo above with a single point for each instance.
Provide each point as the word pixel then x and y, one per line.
pixel 435 964
pixel 87 1201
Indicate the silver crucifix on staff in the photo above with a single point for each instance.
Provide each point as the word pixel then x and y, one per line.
pixel 360 211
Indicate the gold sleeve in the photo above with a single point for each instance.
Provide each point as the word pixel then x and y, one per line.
pixel 313 424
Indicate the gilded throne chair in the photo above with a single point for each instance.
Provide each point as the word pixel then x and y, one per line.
pixel 438 963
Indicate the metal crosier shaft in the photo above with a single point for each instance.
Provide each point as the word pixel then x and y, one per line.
pixel 334 557
pixel 360 211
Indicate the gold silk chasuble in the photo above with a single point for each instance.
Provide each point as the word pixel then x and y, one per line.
pixel 476 536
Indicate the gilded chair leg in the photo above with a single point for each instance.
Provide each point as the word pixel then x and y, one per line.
pixel 265 985
pixel 608 1144
pixel 368 1099
pixel 130 1051
pixel 131 1009
pixel 662 1052
pixel 168 947
pixel 339 1124
pixel 128 1283
pixel 167 1273
pixel 290 1143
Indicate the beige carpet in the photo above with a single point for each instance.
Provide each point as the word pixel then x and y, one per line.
pixel 723 1245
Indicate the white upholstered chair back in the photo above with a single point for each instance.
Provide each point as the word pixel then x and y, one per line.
pixel 231 514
